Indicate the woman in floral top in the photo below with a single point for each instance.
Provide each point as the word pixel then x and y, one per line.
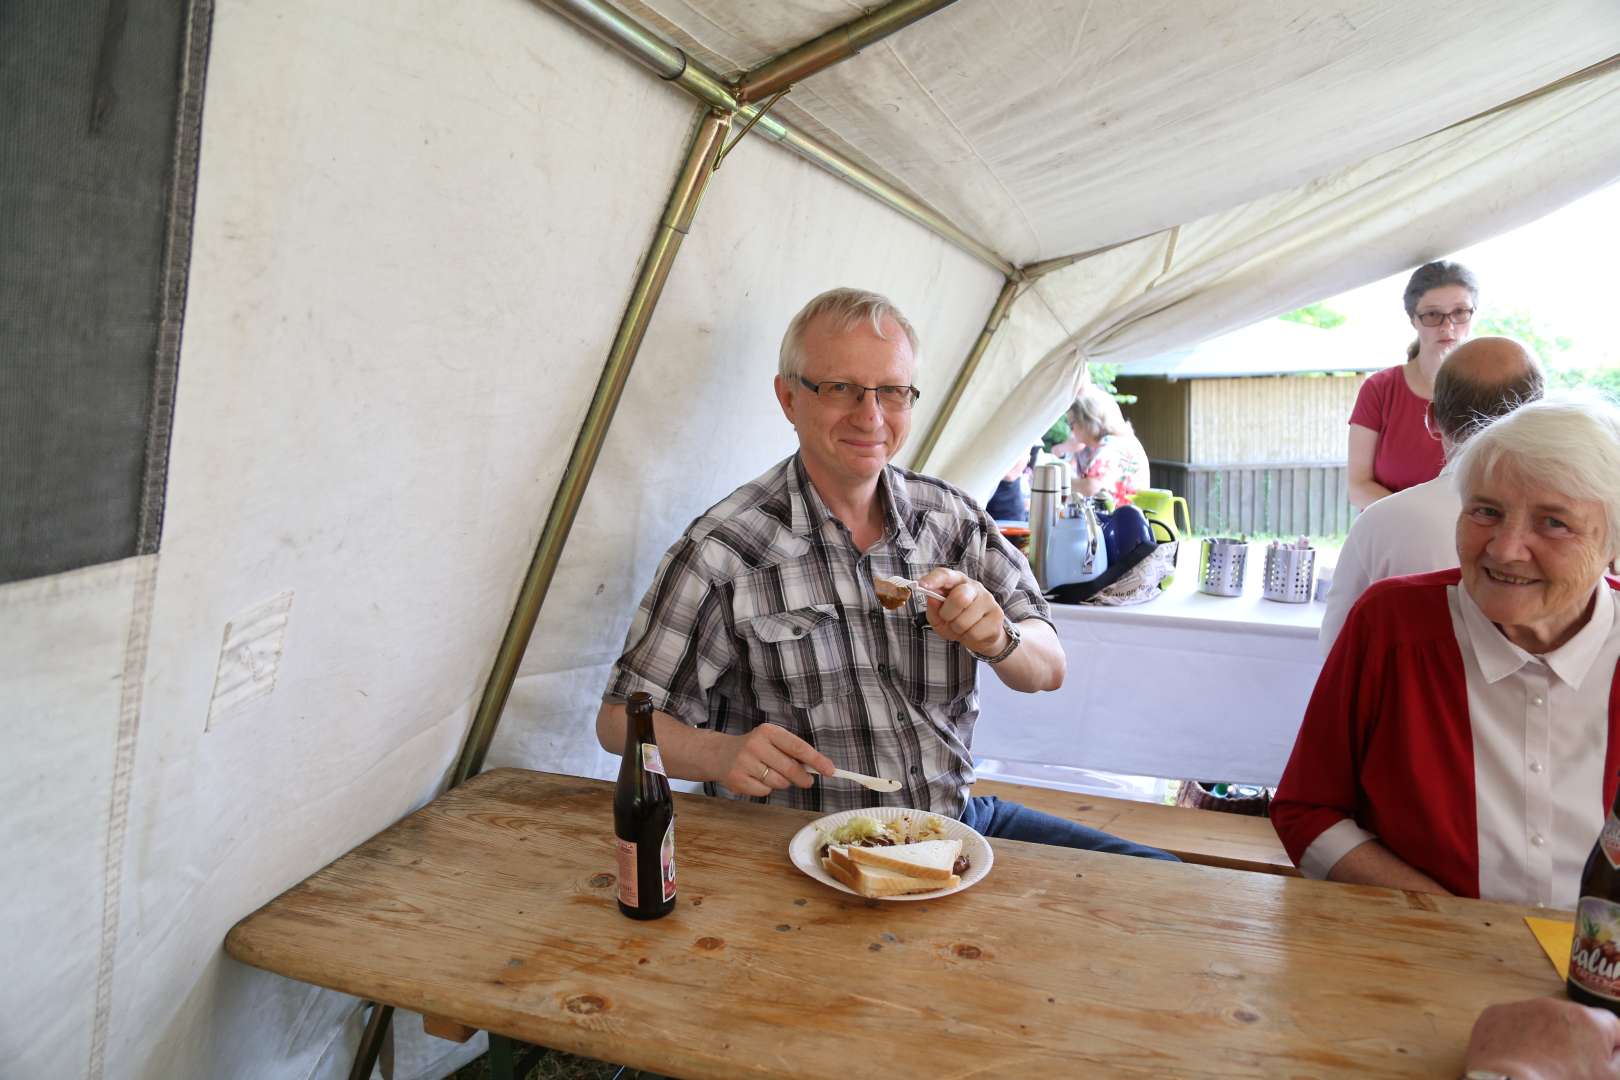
pixel 1109 459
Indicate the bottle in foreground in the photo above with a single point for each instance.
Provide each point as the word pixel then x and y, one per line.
pixel 644 819
pixel 1594 957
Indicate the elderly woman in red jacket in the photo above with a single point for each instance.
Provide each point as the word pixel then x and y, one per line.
pixel 1464 734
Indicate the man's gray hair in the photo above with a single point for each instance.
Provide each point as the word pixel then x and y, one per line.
pixel 1462 405
pixel 1568 444
pixel 848 308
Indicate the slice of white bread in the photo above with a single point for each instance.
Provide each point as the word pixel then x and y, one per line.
pixel 874 881
pixel 930 859
pixel 840 855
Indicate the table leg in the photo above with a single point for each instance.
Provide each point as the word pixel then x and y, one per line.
pixel 371 1041
pixel 502 1051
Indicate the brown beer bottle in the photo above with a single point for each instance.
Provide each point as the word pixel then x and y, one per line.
pixel 644 819
pixel 1594 956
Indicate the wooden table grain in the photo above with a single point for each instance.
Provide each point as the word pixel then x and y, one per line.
pixel 494 906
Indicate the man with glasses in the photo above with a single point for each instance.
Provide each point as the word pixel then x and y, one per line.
pixel 768 655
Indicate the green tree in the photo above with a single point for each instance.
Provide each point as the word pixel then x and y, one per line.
pixel 1524 328
pixel 1104 375
pixel 1318 315
pixel 1603 380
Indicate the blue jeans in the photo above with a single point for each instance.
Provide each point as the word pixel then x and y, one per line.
pixel 990 816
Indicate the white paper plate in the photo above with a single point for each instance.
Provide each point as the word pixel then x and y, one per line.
pixel 807 841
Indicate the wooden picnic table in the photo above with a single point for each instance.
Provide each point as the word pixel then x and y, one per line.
pixel 494 907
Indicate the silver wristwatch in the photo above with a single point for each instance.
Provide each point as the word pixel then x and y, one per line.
pixel 1014 636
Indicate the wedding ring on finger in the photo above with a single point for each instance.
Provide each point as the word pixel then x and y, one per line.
pixel 766 775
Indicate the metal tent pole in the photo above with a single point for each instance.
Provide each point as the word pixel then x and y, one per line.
pixel 837 44
pixel 683 204
pixel 666 244
pixel 1009 292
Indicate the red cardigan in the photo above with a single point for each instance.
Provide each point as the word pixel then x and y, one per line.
pixel 1386 738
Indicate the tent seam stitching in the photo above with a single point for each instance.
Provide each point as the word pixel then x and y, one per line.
pixel 129 719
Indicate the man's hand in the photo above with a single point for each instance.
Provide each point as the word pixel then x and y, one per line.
pixel 738 762
pixel 969 613
pixel 767 759
pixel 1546 1039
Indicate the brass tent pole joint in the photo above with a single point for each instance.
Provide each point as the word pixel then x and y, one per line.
pixel 998 314
pixel 837 44
pixel 677 219
pixel 601 18
pixel 758 115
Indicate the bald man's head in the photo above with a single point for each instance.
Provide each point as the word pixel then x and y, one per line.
pixel 1482 379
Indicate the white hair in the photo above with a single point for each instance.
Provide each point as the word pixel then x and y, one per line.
pixel 850 308
pixel 1567 443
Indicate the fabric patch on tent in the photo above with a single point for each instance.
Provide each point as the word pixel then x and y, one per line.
pixel 250 657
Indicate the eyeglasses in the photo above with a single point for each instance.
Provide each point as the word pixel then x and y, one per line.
pixel 846 395
pixel 1435 318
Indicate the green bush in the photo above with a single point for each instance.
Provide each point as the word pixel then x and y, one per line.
pixel 1605 380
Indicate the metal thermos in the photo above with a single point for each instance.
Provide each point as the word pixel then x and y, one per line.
pixel 1048 497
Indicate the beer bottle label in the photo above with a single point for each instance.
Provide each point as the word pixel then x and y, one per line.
pixel 1609 840
pixel 651 759
pixel 628 894
pixel 666 859
pixel 1594 956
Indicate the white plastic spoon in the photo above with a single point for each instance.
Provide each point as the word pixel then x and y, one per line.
pixel 876 783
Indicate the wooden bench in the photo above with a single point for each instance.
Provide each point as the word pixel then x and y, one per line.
pixel 1196 836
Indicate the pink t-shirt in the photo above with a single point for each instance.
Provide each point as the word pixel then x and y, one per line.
pixel 1407 454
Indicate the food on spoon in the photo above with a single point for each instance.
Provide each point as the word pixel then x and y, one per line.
pixel 891 593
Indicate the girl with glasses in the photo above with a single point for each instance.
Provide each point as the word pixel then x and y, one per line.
pixel 1391 447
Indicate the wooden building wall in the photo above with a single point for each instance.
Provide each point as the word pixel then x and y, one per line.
pixel 1270 419
pixel 1258 455
pixel 1161 415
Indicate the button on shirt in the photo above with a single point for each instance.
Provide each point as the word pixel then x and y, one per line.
pixel 764 612
pixel 1540 732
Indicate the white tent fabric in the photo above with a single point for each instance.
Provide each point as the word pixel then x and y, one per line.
pixel 412 250
pixel 1393 210
pixel 416 230
pixel 1047 129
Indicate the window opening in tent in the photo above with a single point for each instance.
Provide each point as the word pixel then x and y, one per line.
pixel 1251 428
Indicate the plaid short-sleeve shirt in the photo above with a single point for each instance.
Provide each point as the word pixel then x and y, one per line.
pixel 764 612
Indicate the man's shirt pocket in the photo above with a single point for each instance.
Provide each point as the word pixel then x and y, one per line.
pixel 802 656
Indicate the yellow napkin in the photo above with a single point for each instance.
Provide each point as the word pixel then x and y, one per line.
pixel 1556 937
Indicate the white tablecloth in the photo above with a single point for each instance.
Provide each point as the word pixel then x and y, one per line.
pixel 1186 686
